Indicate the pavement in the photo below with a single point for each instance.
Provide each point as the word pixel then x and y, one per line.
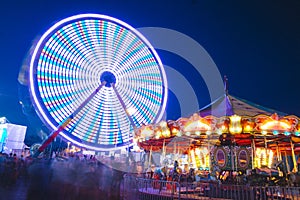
pixel 18 191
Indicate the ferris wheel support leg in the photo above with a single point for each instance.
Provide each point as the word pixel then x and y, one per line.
pixel 61 127
pixel 123 105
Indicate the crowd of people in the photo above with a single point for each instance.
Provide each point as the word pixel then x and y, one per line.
pixel 63 177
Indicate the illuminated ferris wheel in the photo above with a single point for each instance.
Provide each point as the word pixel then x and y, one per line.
pixel 94 78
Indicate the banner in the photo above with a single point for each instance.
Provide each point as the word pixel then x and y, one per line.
pixel 15 136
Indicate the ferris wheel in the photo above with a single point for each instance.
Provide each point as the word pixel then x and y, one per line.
pixel 94 78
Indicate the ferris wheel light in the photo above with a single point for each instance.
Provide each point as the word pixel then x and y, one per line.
pixel 131 110
pixel 74 57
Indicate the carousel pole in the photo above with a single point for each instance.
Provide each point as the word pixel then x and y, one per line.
pixel 266 150
pixel 174 151
pixel 295 169
pixel 209 161
pixel 253 152
pixel 163 153
pixel 232 157
pixel 150 155
pixel 287 162
pixel 277 152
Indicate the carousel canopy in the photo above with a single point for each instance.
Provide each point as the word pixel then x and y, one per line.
pixel 227 105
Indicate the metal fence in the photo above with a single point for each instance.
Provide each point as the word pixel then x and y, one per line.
pixel 134 188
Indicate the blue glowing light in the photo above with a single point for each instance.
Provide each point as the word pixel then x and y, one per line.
pixel 275 132
pixel 287 133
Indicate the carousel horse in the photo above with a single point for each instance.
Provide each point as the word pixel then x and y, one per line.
pixel 189 177
pixel 158 176
pixel 175 172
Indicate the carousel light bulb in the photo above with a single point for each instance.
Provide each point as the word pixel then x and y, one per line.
pixel 179 133
pixel 147 132
pixel 163 124
pixel 197 132
pixel 223 127
pixel 166 133
pixel 264 132
pixel 158 134
pixel 275 123
pixel 197 151
pixel 287 133
pixel 248 128
pixel 235 124
pixel 219 132
pixel 270 158
pixel 175 130
pixel 275 132
pixel 208 132
pixel 193 158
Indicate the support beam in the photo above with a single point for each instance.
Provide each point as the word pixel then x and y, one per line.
pixel 65 123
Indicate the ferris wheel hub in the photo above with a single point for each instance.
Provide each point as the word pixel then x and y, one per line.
pixel 108 77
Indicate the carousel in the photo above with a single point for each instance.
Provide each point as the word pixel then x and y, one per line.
pixel 231 140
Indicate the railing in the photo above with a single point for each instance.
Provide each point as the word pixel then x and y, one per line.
pixel 149 189
pixel 140 188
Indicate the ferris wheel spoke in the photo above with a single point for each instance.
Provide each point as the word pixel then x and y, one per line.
pixel 53 135
pixel 123 105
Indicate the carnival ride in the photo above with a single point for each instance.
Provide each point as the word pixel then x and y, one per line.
pixel 93 80
pixel 247 140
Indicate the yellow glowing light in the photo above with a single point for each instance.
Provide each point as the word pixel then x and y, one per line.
pixel 179 133
pixel 193 158
pixel 202 156
pixel 166 133
pixel 147 132
pixel 223 128
pixel 197 125
pixel 175 130
pixel 163 124
pixel 219 132
pixel 158 134
pixel 264 132
pixel 208 132
pixel 248 128
pixel 263 157
pixel 197 132
pixel 235 124
pixel 278 125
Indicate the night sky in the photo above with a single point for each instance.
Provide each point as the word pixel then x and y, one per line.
pixel 256 44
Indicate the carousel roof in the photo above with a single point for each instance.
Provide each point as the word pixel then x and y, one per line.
pixel 227 105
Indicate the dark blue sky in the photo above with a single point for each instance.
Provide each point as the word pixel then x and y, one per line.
pixel 256 44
